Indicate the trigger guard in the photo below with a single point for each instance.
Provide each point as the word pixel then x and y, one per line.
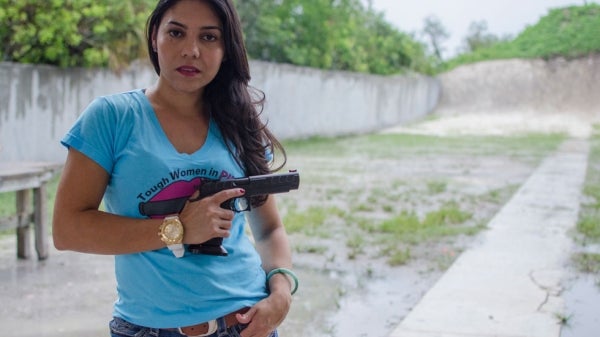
pixel 239 205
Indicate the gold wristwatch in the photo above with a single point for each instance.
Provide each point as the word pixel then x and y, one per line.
pixel 171 233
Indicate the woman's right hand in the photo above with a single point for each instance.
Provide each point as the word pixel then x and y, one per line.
pixel 206 219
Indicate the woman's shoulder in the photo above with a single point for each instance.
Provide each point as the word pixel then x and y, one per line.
pixel 122 104
pixel 123 99
pixel 118 110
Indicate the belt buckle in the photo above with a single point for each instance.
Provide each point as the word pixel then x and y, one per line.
pixel 212 328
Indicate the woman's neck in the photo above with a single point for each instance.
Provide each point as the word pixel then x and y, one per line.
pixel 180 103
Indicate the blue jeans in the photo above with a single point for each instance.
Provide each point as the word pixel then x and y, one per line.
pixel 122 328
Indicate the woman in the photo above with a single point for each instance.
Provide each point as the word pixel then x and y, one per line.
pixel 141 148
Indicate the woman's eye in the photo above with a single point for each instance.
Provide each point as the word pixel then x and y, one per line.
pixel 175 33
pixel 209 37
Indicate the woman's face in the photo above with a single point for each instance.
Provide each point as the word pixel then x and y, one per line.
pixel 190 47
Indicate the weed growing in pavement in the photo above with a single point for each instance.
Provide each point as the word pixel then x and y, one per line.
pixel 563 319
pixel 589 225
pixel 587 262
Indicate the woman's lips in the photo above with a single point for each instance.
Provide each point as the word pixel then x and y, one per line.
pixel 188 70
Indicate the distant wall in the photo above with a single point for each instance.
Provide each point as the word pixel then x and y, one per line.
pixel 305 102
pixel 38 104
pixel 537 86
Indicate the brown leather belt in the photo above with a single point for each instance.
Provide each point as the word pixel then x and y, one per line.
pixel 210 327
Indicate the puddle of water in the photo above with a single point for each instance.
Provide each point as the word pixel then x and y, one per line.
pixel 317 298
pixel 354 303
pixel 377 309
pixel 582 307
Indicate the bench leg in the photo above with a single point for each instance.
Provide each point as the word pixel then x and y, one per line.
pixel 23 224
pixel 40 219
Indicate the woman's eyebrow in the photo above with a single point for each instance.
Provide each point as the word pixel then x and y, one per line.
pixel 176 23
pixel 179 24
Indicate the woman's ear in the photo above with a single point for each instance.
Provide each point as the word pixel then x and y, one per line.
pixel 154 48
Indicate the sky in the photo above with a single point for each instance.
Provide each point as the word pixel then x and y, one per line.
pixel 502 16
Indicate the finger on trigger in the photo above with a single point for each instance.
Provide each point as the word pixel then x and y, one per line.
pixel 229 194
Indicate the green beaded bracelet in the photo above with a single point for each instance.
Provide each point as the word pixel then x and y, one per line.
pixel 286 272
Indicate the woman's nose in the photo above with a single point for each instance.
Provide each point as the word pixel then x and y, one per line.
pixel 192 49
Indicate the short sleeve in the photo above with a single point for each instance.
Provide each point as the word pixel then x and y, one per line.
pixel 93 133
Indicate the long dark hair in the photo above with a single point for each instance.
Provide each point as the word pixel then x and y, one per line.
pixel 233 104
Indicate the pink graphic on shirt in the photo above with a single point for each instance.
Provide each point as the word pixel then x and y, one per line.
pixel 171 199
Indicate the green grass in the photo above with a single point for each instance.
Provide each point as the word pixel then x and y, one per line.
pixel 435 187
pixel 587 262
pixel 383 146
pixel 398 257
pixel 446 221
pixel 567 32
pixel 7 203
pixel 312 221
pixel 588 225
pixel 356 245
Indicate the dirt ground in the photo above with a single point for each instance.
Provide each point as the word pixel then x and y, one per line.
pixel 345 294
pixel 344 290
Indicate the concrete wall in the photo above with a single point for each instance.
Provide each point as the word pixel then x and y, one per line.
pixel 537 86
pixel 304 102
pixel 38 104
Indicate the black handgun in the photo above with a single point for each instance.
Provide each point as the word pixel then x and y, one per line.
pixel 254 186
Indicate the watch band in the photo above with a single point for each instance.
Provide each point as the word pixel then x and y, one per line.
pixel 177 249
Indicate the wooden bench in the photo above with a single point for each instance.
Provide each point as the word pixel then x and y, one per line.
pixel 28 179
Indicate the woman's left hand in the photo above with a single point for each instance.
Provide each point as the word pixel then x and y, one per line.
pixel 265 316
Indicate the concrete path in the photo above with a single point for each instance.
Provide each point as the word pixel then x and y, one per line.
pixel 509 283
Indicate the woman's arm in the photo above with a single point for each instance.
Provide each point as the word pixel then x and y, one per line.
pixel 273 246
pixel 270 236
pixel 79 225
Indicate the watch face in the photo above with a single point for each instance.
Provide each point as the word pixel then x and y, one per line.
pixel 171 231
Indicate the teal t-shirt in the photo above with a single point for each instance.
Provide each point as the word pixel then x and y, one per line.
pixel 155 289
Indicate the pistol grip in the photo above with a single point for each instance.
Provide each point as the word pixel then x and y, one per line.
pixel 210 247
